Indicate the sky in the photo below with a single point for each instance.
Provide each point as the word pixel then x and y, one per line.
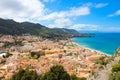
pixel 81 15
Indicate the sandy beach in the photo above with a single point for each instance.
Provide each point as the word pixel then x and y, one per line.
pixel 90 48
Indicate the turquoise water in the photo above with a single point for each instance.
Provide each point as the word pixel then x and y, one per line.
pixel 104 42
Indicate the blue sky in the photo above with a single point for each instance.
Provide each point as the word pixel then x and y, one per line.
pixel 82 15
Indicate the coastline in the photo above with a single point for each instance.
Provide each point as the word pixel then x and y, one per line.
pixel 90 48
pixel 75 58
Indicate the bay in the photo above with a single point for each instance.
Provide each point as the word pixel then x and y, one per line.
pixel 104 42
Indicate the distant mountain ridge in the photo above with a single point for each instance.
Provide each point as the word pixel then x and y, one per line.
pixel 11 27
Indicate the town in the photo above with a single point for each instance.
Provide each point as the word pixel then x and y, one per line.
pixel 41 54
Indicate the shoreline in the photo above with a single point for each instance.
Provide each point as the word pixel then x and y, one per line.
pixel 90 48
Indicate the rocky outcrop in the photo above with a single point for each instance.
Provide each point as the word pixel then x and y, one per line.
pixel 103 74
pixel 117 53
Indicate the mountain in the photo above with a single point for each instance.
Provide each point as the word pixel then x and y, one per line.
pixel 11 27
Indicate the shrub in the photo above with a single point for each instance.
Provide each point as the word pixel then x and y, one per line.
pixel 35 57
pixel 56 73
pixel 102 61
pixel 115 75
pixel 74 77
pixel 15 43
pixel 25 75
pixel 116 68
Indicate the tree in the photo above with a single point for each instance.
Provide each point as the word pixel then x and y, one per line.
pixel 102 61
pixel 35 57
pixel 115 75
pixel 25 75
pixel 56 72
pixel 74 77
pixel 116 68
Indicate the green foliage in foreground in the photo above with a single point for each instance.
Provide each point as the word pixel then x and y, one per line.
pixel 56 72
pixel 74 77
pixel 25 75
pixel 116 67
pixel 115 75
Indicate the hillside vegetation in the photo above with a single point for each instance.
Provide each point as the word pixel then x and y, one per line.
pixel 56 72
pixel 10 27
pixel 109 71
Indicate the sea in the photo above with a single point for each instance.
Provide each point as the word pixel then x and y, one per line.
pixel 107 43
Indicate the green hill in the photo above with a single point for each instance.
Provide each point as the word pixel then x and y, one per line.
pixel 10 27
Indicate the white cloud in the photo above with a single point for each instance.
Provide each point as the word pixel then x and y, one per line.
pixel 80 11
pixel 21 10
pixel 100 5
pixel 54 15
pixel 48 0
pixel 75 11
pixel 35 10
pixel 85 27
pixel 117 13
pixel 60 23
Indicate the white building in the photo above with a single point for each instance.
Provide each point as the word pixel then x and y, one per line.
pixel 3 54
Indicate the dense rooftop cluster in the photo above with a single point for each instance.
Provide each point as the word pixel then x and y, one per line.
pixel 41 54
